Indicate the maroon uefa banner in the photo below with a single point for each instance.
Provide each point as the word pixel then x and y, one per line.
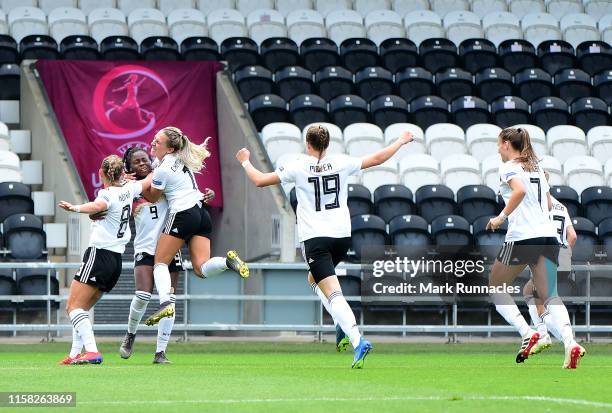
pixel 107 107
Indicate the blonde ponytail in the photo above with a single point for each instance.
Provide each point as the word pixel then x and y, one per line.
pixel 189 153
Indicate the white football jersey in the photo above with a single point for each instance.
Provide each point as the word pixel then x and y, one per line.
pixel 321 188
pixel 149 220
pixel 530 219
pixel 113 232
pixel 561 219
pixel 177 182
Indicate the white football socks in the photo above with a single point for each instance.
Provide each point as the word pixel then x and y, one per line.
pixel 82 325
pixel 77 344
pixel 537 321
pixel 513 316
pixel 323 299
pixel 164 329
pixel 161 275
pixel 343 315
pixel 560 320
pixel 137 310
pixel 214 266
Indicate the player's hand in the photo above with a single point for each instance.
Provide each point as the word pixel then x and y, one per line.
pixel 406 137
pixel 494 223
pixel 129 176
pixel 66 206
pixel 98 216
pixel 209 195
pixel 243 155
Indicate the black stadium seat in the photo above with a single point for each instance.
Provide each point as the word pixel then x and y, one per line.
pixel 590 112
pixel 602 83
pixel 454 82
pixel 572 84
pixel 239 51
pixel 359 200
pixel 33 281
pixel 409 230
pixel 398 53
pixel 392 200
pixel 253 81
pixel 10 76
pixel 266 109
pixel 292 81
pixel 470 110
pixel 435 200
pixel 200 48
pixel 533 83
pixel 451 230
pixel 550 111
pixel 594 56
pixel 429 110
pixel 9 53
pixel 584 249
pixel 488 242
pixel 278 52
pixel 37 46
pixel 414 82
pixel 477 54
pixel 319 52
pixel 510 110
pixel 333 81
pixel 345 110
pixel 307 109
pixel 388 109
pixel 8 286
pixel 437 54
pixel 556 55
pixel 475 201
pixel 374 81
pixel 367 231
pixel 597 203
pixel 516 55
pixel 358 53
pixel 492 83
pixel 79 47
pixel 119 48
pixel 159 48
pixel 605 233
pixel 569 198
pixel 15 198
pixel 24 237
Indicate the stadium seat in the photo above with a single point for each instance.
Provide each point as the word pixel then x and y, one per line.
pixel 8 5
pixel 34 282
pixel 460 170
pixel 345 110
pixel 38 47
pixel 417 146
pixel 285 159
pixel 560 8
pixel 87 6
pixel 608 172
pixel 554 169
pixel 594 57
pixel 597 7
pixel 384 24
pixel 443 7
pixel 128 6
pixel 279 52
pixel 597 203
pixel 145 23
pixel 481 140
pixel 387 110
pixel 365 7
pixel 572 84
pixel 565 141
pixel 484 7
pixel 367 231
pixel 568 197
pixel 605 231
pixel 207 6
pixel 8 50
pixel 307 109
pixel 490 171
pixel 66 21
pixel 438 54
pixel 603 85
pixel 605 27
pixel 429 110
pixel 318 53
pixel 423 24
pixel 10 76
pixel 200 48
pixel 584 249
pixel 26 21
pixel 556 55
pixel 599 139
pixel 359 200
pixel 499 26
pixel 488 242
pixel 224 24
pixel 358 53
pixel 159 48
pixel 533 83
pixel 247 6
pixel 10 170
pixel 493 83
pixel 24 236
pixel 168 6
pixel 8 286
pixel 550 111
pixel 517 55
pixel 417 170
pixel 521 8
pixel 15 198
pixel 475 201
pixel 334 81
pixel 409 230
pixel 414 82
pixel 361 139
pixel 79 47
pixel 391 200
pixel 398 54
pixel 281 137
pixel 253 81
pixel 119 48
pixel 469 110
pixel 453 83
pixel 292 81
pixel 578 28
pixel 386 172
pixel 105 22
pixel 286 7
pixel 590 112
pixel 477 54
pixel 5 138
pixel 403 7
pixel 510 110
pixel 344 24
pixel 434 201
pixel 266 109
pixel 537 136
pixel 461 25
pixel 240 51
pixel 582 172
pixel 336 140
pixel 539 27
pixel 445 139
pixel 305 24
pixel 186 22
pixel 374 81
pixel 451 230
pixel 264 24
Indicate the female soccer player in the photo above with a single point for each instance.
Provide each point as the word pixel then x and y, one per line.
pixel 149 220
pixel 187 220
pixel 530 241
pixel 324 222
pixel 101 266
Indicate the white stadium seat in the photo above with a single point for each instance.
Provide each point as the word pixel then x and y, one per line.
pixel 145 23
pixel 537 138
pixel 608 172
pixel 597 8
pixel 47 5
pixel 565 141
pixel 605 28
pixel 66 21
pixel 582 172
pixel 225 23
pixel 384 24
pixel 365 7
pixel 362 139
pixel 461 25
pixel 521 8
pixel 444 139
pixel 304 24
pixel 560 8
pixel 167 6
pixel 403 7
pixel 376 176
pixel 281 137
pixel 578 28
pixel 423 24
pixel 489 168
pixel 106 22
pixel 265 23
pixel 484 7
pixel 344 24
pixel 3 23
pixel 336 140
pixel 9 175
pixel 285 7
pixel 88 5
pixel 539 27
pixel 554 169
pixel 443 7
pixel 327 6
pixel 460 170
pixel 481 140
pixel 247 6
pixel 24 21
pixel 184 23
pixel 500 26
pixel 417 146
pixel 5 139
pixel 206 6
pixel 599 139
pixel 9 160
pixel 418 170
pixel 128 6
pixel 8 5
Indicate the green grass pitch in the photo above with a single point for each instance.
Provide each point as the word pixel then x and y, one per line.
pixel 290 377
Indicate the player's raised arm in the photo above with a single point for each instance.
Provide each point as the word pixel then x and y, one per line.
pixel 384 154
pixel 88 208
pixel 259 178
